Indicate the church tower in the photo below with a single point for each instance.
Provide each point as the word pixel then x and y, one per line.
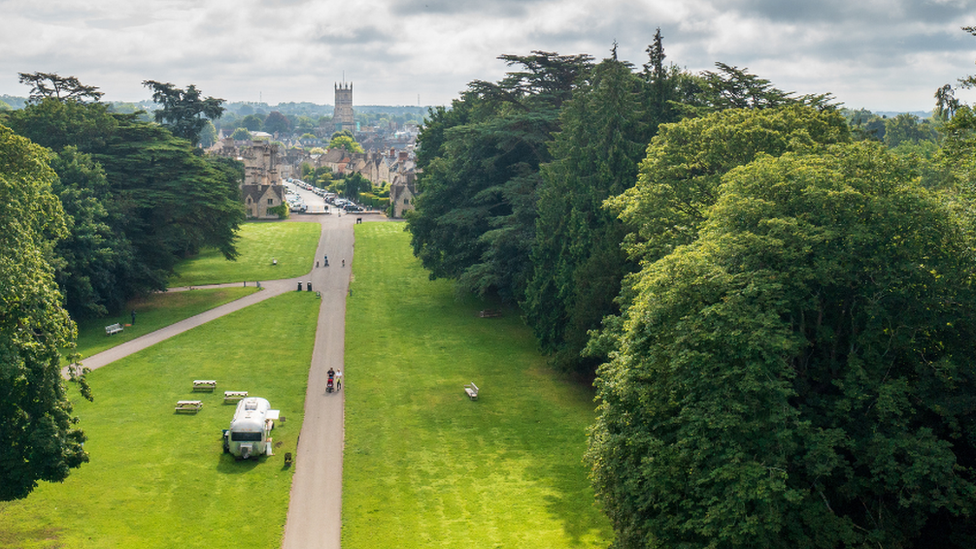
pixel 342 118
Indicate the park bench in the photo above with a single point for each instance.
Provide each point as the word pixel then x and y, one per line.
pixel 472 390
pixel 189 406
pixel 234 396
pixel 489 313
pixel 204 385
pixel 113 329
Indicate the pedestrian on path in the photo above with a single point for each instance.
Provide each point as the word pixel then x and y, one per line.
pixel 338 378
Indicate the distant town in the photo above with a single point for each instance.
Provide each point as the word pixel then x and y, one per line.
pixel 279 142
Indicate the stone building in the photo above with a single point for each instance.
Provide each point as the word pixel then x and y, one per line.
pixel 261 189
pixel 258 199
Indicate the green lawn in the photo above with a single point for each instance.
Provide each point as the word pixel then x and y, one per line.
pixel 426 467
pixel 152 313
pixel 292 244
pixel 158 479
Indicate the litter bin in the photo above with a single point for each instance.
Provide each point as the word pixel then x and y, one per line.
pixel 308 286
pixel 299 285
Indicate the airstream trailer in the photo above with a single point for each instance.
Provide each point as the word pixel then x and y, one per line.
pixel 250 430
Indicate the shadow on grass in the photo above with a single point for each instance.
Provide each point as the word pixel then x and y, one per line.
pixel 573 503
pixel 230 465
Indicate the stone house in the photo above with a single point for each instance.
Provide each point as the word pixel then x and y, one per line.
pixel 259 198
pixel 261 188
pixel 402 194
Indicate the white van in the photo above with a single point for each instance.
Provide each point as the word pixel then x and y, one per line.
pixel 250 430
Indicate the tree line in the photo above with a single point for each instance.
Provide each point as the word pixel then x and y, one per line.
pixel 775 301
pixel 97 207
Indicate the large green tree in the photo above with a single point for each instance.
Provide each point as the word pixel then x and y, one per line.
pixel 54 86
pixel 38 436
pixel 679 179
pixel 163 200
pixel 798 375
pixel 475 216
pixel 277 123
pixel 184 112
pixel 577 263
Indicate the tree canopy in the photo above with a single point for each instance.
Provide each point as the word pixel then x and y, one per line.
pixel 61 88
pixel 183 111
pixel 798 375
pixel 38 437
pixel 475 216
pixel 346 143
pixel 139 199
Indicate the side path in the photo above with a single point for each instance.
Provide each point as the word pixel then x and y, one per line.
pixel 270 289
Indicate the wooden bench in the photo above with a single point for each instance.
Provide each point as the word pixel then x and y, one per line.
pixel 234 396
pixel 204 385
pixel 189 406
pixel 472 390
pixel 113 329
pixel 489 313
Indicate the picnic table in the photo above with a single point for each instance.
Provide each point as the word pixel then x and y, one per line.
pixel 234 396
pixel 189 406
pixel 204 385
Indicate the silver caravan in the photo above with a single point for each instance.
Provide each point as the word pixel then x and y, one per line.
pixel 250 430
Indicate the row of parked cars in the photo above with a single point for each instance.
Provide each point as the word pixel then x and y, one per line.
pixel 330 198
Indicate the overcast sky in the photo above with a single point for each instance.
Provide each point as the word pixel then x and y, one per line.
pixel 886 55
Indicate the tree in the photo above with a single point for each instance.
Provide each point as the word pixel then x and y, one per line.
pixel 577 263
pixel 93 261
pixel 183 111
pixel 38 437
pixel 475 216
pixel 208 136
pixel 277 123
pixel 346 143
pixel 907 128
pixel 355 184
pixel 163 200
pixel 61 88
pixel 241 134
pixel 798 376
pixel 730 87
pixel 253 122
pixel 678 180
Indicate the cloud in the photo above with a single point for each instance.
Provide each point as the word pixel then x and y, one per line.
pixel 882 54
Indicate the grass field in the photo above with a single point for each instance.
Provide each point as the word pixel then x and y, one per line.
pixel 426 467
pixel 152 313
pixel 293 244
pixel 159 479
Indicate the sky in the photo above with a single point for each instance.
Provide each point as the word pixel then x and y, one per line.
pixel 883 55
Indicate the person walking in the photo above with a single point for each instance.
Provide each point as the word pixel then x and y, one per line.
pixel 338 378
